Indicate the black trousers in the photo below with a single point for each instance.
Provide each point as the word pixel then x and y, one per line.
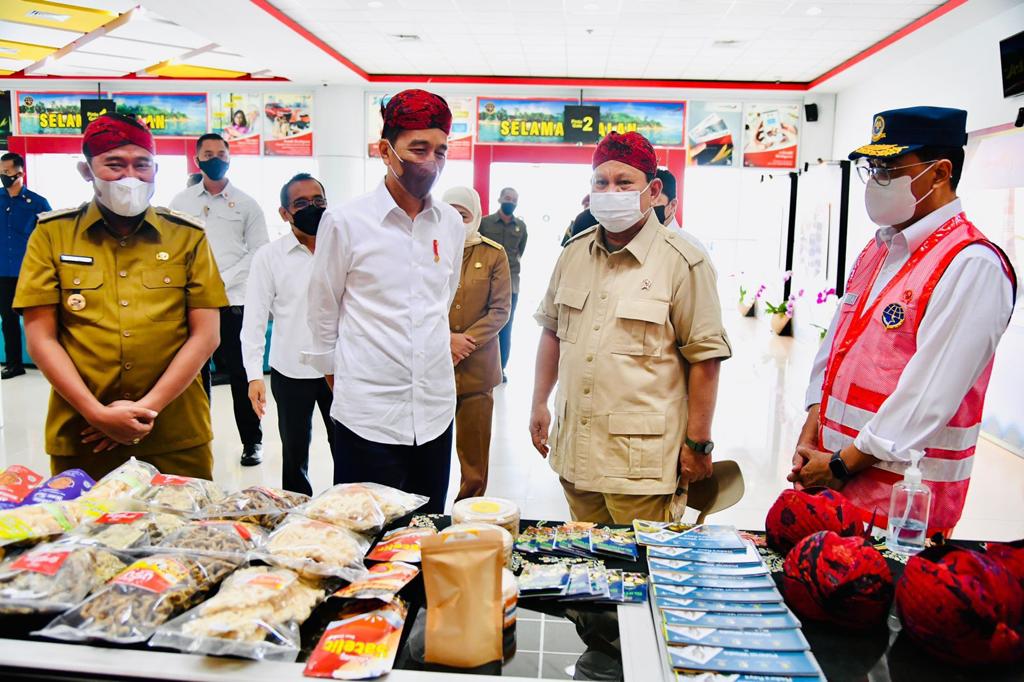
pixel 505 335
pixel 228 358
pixel 11 322
pixel 296 400
pixel 420 469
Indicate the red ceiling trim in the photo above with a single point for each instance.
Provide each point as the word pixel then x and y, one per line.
pixel 133 77
pixel 921 22
pixel 298 28
pixel 588 82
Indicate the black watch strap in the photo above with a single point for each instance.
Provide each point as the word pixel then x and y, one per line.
pixel 838 467
pixel 702 447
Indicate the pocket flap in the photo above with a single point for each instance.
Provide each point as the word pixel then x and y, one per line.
pixel 574 298
pixel 647 311
pixel 636 424
pixel 165 277
pixel 80 278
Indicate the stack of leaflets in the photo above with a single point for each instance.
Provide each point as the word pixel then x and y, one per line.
pixel 588 581
pixel 584 540
pixel 718 609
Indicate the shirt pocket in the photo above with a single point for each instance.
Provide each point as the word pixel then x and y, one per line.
pixel 88 284
pixel 164 293
pixel 635 444
pixel 570 304
pixel 639 327
pixel 898 341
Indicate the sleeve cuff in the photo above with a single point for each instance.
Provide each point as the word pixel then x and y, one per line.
pixel 35 300
pixel 549 323
pixel 321 362
pixel 207 302
pixel 876 446
pixel 715 347
pixel 254 373
pixel 813 395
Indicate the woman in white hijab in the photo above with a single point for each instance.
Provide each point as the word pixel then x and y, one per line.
pixel 480 310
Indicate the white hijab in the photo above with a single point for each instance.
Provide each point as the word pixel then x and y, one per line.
pixel 467 198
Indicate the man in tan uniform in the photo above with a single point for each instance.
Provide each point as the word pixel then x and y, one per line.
pixel 633 335
pixel 479 311
pixel 121 310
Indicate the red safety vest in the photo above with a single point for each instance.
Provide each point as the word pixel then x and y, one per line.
pixel 873 343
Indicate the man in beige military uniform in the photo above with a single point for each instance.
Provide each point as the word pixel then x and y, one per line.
pixel 633 335
pixel 479 311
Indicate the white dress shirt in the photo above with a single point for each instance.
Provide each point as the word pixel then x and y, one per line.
pixel 673 225
pixel 957 337
pixel 235 228
pixel 278 284
pixel 379 296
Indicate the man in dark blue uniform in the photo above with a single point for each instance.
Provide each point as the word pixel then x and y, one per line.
pixel 18 210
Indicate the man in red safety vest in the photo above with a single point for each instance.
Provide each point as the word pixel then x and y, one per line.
pixel 907 359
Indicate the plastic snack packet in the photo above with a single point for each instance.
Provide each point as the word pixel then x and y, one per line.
pixel 125 481
pixel 315 549
pixel 360 645
pixel 181 494
pixel 220 539
pixel 395 503
pixel 16 482
pixel 260 505
pixel 126 530
pixel 383 582
pixel 69 485
pixel 256 614
pixel 54 577
pixel 401 544
pixel 36 522
pixel 349 505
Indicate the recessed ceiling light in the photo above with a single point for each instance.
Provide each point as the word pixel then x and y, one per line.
pixel 7 50
pixel 406 37
pixel 813 11
pixel 47 16
pixel 376 4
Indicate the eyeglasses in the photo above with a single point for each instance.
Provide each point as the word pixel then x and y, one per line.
pixel 300 204
pixel 882 174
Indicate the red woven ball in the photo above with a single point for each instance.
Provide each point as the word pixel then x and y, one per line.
pixel 962 607
pixel 1011 557
pixel 799 513
pixel 839 580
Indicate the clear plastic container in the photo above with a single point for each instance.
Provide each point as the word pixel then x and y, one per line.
pixel 909 511
pixel 494 510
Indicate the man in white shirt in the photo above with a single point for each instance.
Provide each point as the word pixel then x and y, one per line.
pixel 236 229
pixel 385 273
pixel 278 284
pixel 666 206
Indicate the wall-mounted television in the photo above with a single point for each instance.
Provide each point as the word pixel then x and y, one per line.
pixel 1011 56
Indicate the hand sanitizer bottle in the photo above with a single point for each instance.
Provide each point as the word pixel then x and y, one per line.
pixel 909 510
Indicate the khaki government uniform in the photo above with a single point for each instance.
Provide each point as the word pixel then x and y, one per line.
pixel 480 310
pixel 629 325
pixel 122 305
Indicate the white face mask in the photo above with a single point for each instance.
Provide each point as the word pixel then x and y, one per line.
pixel 126 197
pixel 617 211
pixel 893 204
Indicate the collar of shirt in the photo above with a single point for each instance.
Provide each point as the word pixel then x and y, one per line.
pixel 292 242
pixel 199 189
pixel 912 237
pixel 93 217
pixel 639 246
pixel 385 204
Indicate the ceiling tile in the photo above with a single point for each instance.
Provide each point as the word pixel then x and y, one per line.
pixel 36 35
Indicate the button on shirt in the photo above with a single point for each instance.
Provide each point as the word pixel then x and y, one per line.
pixel 18 214
pixel 378 309
pixel 278 283
pixel 235 227
pixel 967 314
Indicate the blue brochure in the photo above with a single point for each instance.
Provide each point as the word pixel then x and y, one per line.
pixel 718 582
pixel 718 659
pixel 731 621
pixel 758 640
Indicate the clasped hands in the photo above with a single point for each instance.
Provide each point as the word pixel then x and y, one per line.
pixel 122 422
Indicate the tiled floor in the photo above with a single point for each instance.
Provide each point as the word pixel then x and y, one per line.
pixel 759 413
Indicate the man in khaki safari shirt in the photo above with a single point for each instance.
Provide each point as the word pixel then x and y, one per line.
pixel 633 336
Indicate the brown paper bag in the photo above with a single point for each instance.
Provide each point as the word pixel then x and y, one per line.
pixel 462 579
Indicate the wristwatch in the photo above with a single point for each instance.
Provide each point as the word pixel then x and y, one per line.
pixel 838 467
pixel 702 448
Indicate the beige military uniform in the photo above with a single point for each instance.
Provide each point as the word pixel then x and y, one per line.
pixel 122 305
pixel 480 310
pixel 629 324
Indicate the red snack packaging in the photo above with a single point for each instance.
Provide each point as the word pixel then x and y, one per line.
pixel 360 645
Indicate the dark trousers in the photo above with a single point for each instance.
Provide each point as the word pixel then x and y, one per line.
pixel 228 358
pixel 505 335
pixel 420 469
pixel 11 322
pixel 296 399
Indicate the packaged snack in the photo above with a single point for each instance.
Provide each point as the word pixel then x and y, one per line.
pixel 182 494
pixel 256 614
pixel 54 577
pixel 125 481
pixel 221 539
pixel 348 505
pixel 140 599
pixel 360 645
pixel 543 580
pixel 316 549
pixel 400 544
pixel 126 530
pixel 65 486
pixel 477 528
pixel 395 503
pixel 510 601
pixel 616 542
pixel 494 510
pixel 260 505
pixel 36 522
pixel 572 539
pixel 16 482
pixel 382 582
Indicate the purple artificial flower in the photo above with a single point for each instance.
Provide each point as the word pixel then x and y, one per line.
pixel 787 275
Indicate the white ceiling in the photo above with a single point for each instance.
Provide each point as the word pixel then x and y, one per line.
pixel 787 40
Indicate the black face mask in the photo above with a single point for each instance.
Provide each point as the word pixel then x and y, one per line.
pixel 660 212
pixel 308 219
pixel 508 207
pixel 215 168
pixel 417 177
pixel 9 180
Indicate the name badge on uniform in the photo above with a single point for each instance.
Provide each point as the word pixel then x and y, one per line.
pixel 78 260
pixel 850 298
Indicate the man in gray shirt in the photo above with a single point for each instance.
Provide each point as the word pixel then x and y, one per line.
pixel 235 229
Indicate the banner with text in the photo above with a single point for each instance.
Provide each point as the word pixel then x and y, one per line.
pixel 771 135
pixel 236 117
pixel 167 114
pixel 542 121
pixel 288 122
pixel 51 113
pixel 460 141
pixel 713 130
pixel 6 124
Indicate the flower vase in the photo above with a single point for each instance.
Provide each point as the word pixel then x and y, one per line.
pixel 747 309
pixel 782 324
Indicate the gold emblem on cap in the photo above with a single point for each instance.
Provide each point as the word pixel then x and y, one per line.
pixel 878 129
pixel 163 255
pixel 76 302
